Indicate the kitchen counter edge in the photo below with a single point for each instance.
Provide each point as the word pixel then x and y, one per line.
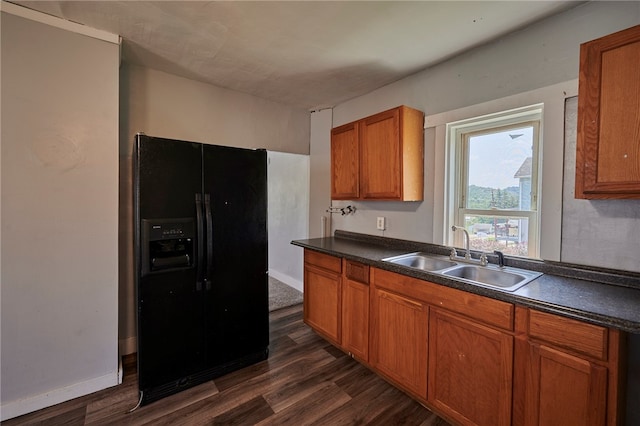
pixel 600 296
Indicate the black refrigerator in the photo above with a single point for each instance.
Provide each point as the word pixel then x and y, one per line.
pixel 201 262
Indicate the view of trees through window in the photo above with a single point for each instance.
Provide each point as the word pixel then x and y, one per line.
pixel 486 198
pixel 497 188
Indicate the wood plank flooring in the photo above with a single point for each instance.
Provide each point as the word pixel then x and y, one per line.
pixel 305 381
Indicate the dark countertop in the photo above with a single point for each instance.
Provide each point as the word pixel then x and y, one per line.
pixel 601 296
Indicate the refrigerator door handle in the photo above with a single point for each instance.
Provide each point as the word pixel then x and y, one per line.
pixel 200 245
pixel 209 218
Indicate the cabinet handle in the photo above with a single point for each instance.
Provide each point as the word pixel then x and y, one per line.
pixel 200 242
pixel 209 222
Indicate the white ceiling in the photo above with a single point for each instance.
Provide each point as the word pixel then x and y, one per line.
pixel 308 54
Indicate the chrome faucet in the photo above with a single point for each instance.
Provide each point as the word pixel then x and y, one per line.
pixel 467 252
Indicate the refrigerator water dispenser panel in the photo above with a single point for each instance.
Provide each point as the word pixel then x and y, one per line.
pixel 167 244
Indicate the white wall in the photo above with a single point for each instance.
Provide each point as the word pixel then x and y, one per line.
pixel 59 282
pixel 164 105
pixel 288 206
pixel 320 177
pixel 544 54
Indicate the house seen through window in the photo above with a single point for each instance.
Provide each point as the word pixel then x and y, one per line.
pixel 495 181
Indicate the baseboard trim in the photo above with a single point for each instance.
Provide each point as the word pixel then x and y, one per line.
pixel 290 281
pixel 17 408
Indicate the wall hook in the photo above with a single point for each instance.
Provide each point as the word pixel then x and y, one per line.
pixel 342 210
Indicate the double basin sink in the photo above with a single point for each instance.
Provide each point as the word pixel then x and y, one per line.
pixel 504 278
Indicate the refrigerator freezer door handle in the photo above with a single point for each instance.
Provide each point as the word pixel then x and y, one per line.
pixel 209 218
pixel 200 245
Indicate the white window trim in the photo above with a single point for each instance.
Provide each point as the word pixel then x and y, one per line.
pixel 551 173
pixel 456 181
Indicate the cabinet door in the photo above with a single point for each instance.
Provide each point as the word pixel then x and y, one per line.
pixel 564 390
pixel 322 301
pixel 345 162
pixel 380 151
pixel 470 370
pixel 608 146
pixel 399 340
pixel 355 318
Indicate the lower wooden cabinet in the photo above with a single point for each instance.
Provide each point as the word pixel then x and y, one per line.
pixel 565 390
pixel 355 310
pixel 399 340
pixel 572 372
pixel 470 370
pixel 471 359
pixel 322 294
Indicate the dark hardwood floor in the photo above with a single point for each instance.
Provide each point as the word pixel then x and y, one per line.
pixel 305 381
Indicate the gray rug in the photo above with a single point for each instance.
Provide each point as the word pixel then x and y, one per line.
pixel 282 295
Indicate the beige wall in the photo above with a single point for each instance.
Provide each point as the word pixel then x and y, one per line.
pixel 161 104
pixel 164 105
pixel 59 283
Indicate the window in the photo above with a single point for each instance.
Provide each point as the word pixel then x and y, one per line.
pixel 494 181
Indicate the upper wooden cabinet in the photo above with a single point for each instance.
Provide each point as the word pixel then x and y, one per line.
pixel 608 145
pixel 380 157
pixel 345 162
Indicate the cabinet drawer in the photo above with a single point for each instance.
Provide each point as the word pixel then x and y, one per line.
pixel 578 336
pixel 357 271
pixel 489 311
pixel 322 260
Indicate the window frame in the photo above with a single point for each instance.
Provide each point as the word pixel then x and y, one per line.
pixel 458 135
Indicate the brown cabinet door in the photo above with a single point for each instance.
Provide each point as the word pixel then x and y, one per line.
pixel 355 318
pixel 345 162
pixel 608 145
pixel 380 157
pixel 322 296
pixel 470 370
pixel 380 151
pixel 564 390
pixel 399 340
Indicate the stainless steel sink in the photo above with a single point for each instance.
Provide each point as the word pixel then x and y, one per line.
pixel 506 278
pixel 509 279
pixel 421 261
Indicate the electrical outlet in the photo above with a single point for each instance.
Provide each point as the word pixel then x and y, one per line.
pixel 380 223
